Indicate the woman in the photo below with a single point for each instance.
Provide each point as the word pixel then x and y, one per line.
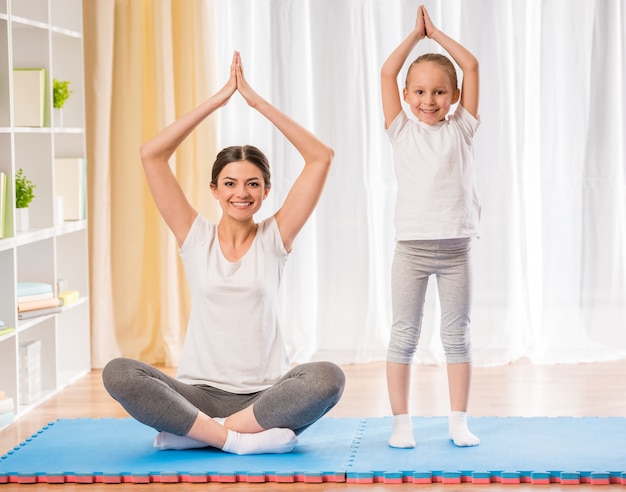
pixel 234 389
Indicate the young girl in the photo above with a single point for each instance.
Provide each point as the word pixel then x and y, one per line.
pixel 437 214
pixel 234 389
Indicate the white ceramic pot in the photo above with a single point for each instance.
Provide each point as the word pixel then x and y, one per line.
pixel 21 219
pixel 57 117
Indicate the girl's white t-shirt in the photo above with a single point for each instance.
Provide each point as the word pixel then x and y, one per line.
pixel 233 339
pixel 436 195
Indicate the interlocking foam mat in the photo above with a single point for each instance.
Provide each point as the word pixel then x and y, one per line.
pixel 538 450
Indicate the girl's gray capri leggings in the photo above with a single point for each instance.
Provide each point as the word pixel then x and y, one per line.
pixel 413 263
pixel 296 401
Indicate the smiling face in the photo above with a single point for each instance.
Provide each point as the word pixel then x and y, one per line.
pixel 430 91
pixel 240 188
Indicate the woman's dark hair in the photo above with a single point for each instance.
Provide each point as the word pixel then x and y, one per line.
pixel 241 153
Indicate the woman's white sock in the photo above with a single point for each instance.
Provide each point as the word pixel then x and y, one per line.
pixel 268 441
pixel 167 440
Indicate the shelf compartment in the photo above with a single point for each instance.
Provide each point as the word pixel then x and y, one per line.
pixel 5 100
pixel 44 332
pixel 7 287
pixel 31 10
pixel 35 262
pixel 72 261
pixel 33 154
pixel 73 330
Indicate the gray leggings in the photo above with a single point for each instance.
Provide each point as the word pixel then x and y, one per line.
pixel 296 401
pixel 413 263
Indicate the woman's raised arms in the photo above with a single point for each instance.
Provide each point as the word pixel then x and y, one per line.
pixel 307 189
pixel 156 152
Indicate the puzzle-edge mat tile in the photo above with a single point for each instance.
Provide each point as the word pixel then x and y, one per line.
pixel 333 450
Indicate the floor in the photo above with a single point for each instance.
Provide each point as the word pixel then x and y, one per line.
pixel 519 389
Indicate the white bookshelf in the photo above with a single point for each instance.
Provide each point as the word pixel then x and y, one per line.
pixel 43 34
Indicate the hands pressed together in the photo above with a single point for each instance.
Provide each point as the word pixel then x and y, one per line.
pixel 424 26
pixel 237 82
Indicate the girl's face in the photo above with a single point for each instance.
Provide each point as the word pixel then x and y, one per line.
pixel 429 92
pixel 240 190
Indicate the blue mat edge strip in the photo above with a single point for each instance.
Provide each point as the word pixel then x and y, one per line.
pixel 355 477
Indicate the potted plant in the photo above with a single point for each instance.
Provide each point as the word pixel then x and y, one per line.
pixel 60 93
pixel 24 194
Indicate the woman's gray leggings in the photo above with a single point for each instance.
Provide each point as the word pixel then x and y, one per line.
pixel 296 401
pixel 413 263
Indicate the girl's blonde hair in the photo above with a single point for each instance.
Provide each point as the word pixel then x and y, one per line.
pixel 441 60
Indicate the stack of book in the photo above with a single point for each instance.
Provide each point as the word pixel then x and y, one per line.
pixel 36 299
pixel 6 410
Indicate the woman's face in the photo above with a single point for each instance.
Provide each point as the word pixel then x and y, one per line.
pixel 240 190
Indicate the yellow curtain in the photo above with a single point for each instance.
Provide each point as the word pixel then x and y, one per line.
pixel 147 62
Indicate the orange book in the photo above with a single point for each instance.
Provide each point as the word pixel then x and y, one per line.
pixel 38 304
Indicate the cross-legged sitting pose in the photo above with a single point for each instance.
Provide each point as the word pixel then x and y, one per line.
pixel 437 215
pixel 235 389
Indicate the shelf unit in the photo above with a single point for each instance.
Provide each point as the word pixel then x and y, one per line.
pixel 43 34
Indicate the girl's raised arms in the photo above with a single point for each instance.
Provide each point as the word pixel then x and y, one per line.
pixel 464 59
pixel 392 104
pixel 391 68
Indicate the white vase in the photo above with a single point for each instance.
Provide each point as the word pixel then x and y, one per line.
pixel 57 114
pixel 21 219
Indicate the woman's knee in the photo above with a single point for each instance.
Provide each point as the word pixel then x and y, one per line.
pixel 117 374
pixel 331 380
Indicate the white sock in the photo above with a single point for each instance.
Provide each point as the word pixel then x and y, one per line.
pixel 167 440
pixel 459 432
pixel 273 440
pixel 402 432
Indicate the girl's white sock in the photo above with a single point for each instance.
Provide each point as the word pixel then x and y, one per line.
pixel 459 432
pixel 402 432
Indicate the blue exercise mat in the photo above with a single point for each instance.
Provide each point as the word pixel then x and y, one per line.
pixel 512 450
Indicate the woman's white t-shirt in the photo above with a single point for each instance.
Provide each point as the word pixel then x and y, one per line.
pixel 233 339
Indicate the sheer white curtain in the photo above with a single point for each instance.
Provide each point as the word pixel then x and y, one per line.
pixel 550 267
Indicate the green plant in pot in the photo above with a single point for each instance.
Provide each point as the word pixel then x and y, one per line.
pixel 60 92
pixel 24 194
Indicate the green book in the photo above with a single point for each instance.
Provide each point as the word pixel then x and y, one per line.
pixel 3 205
pixel 6 331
